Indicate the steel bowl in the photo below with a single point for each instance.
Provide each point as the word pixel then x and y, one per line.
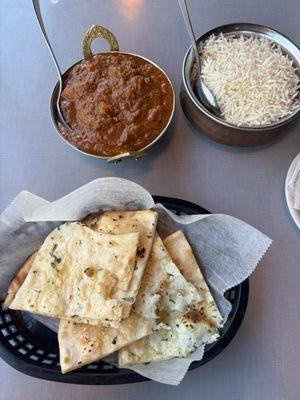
pixel 217 128
pixel 94 32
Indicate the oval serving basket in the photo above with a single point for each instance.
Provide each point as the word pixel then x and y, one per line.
pixel 32 348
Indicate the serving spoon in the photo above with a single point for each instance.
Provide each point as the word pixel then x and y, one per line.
pixel 37 10
pixel 201 90
pixel 38 14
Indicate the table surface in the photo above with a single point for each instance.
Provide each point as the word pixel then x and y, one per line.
pixel 263 360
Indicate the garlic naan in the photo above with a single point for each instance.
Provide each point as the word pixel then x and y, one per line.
pixel 81 344
pixel 177 298
pixel 182 255
pixel 78 272
pixel 120 222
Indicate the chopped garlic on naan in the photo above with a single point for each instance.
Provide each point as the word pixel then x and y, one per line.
pixel 196 323
pixel 176 297
pixel 182 255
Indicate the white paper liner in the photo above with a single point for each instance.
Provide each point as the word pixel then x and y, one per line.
pixel 228 249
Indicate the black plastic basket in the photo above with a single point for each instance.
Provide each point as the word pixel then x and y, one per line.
pixel 32 348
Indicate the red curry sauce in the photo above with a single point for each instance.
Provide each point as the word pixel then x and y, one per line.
pixel 115 103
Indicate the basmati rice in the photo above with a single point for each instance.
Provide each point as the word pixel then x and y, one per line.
pixel 253 82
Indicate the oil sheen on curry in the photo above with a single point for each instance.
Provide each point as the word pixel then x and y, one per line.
pixel 115 103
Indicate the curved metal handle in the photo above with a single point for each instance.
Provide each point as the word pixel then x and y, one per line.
pixel 130 154
pixel 97 31
pixel 189 27
pixel 38 14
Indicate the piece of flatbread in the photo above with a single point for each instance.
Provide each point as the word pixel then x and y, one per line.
pixel 75 339
pixel 182 255
pixel 164 292
pixel 120 222
pixel 79 272
pixel 178 311
pixel 18 280
pixel 114 222
pixel 81 344
pixel 197 326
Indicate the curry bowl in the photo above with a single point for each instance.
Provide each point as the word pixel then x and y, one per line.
pixel 122 114
pixel 217 128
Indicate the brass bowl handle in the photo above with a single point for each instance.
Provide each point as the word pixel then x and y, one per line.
pixel 130 154
pixel 97 31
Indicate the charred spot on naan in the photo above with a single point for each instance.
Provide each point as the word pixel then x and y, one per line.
pixel 196 316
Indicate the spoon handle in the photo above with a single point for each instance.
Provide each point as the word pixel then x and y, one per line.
pixel 189 27
pixel 38 14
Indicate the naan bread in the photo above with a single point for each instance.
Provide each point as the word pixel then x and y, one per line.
pixel 163 282
pixel 78 272
pixel 75 339
pixel 178 304
pixel 18 280
pixel 113 222
pixel 182 255
pixel 81 344
pixel 120 222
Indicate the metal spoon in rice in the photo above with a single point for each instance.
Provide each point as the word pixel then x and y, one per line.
pixel 201 90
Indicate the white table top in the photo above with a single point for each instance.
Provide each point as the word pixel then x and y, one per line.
pixel 263 360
